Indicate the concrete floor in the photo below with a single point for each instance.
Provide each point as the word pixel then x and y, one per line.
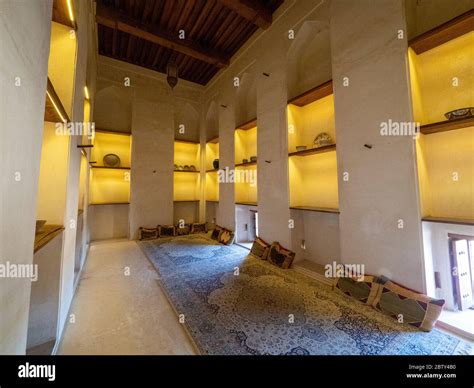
pixel 119 314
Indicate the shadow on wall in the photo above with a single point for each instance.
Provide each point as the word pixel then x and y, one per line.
pixel 113 109
pixel 309 58
pixel 186 121
pixel 246 99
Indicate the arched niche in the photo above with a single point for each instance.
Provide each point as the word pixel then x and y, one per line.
pixel 212 121
pixel 309 58
pixel 246 99
pixel 188 116
pixel 113 109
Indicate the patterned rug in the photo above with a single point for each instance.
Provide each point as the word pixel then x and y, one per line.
pixel 235 304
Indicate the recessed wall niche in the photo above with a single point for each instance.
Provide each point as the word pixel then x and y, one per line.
pixel 309 57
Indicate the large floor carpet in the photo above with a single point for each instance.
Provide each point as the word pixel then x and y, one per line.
pixel 233 303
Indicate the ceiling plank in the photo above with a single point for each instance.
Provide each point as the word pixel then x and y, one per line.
pixel 251 10
pixel 112 18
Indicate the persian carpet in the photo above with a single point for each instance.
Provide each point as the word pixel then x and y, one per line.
pixel 236 304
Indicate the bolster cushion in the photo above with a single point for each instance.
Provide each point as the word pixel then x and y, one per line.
pixel 411 307
pixel 279 256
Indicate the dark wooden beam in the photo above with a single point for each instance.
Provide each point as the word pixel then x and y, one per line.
pixel 112 18
pixel 452 29
pixel 252 10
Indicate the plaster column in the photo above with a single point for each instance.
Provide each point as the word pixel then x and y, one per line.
pixel 151 188
pixel 25 29
pixel 226 214
pixel 381 193
pixel 272 150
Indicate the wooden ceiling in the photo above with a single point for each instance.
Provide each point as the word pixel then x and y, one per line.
pixel 146 32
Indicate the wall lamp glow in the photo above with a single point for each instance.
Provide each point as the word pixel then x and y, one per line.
pixel 56 107
pixel 86 92
pixel 69 7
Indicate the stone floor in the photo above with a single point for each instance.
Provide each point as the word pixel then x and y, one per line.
pixel 119 314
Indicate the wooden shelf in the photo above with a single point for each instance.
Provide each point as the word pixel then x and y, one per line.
pixel 112 132
pixel 213 170
pixel 61 13
pixel 247 203
pixel 447 125
pixel 214 140
pixel 196 172
pixel 445 220
pixel 452 29
pixel 54 108
pixel 112 168
pixel 212 200
pixel 109 203
pixel 248 125
pixel 246 164
pixel 185 200
pixel 312 95
pixel 316 209
pixel 186 141
pixel 312 151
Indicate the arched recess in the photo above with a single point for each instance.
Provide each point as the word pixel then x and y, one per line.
pixel 246 99
pixel 188 116
pixel 309 58
pixel 113 109
pixel 212 121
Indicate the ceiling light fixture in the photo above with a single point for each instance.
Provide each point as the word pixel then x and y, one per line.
pixel 172 74
pixel 86 92
pixel 69 7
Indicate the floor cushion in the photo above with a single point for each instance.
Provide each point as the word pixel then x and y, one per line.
pixel 406 305
pixel 260 248
pixel 181 231
pixel 226 237
pixel 147 233
pixel 198 228
pixel 280 256
pixel 216 232
pixel 166 230
pixel 363 288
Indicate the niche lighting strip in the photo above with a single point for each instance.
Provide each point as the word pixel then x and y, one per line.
pixel 56 107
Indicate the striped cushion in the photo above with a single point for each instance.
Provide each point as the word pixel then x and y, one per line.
pixel 406 305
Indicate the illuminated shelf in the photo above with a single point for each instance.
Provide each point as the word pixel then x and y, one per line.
pixel 247 203
pixel 313 151
pixel 108 203
pixel 248 125
pixel 213 170
pixel 246 164
pixel 312 172
pixel 447 125
pixel 450 30
pixel 61 13
pixel 445 220
pixel 113 168
pixel 54 110
pixel 445 146
pixel 315 209
pixel 313 95
pixel 212 200
pixel 214 140
pixel 186 200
